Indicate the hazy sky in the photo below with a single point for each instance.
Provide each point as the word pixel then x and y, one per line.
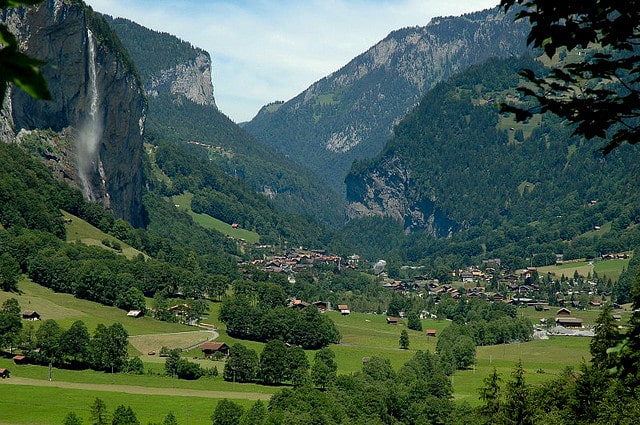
pixel 268 50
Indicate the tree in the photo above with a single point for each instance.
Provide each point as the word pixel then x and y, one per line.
pixel 413 322
pixel 404 340
pixel 9 272
pixel 273 362
pixel 517 400
pixel 605 336
pixel 72 419
pixel 75 342
pixel 16 67
pixel 297 366
pixel 242 364
pixel 98 413
pixel 124 416
pixel 490 395
pixel 171 362
pixel 48 337
pixel 10 323
pixel 255 415
pixel 324 368
pixel 599 93
pixel 227 413
pixel 108 347
pixel 170 419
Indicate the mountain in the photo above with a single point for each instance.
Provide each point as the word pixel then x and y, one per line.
pixel 98 107
pixel 186 120
pixel 456 166
pixel 349 114
pixel 169 65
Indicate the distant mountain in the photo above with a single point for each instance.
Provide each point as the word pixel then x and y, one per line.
pixel 349 114
pixel 181 117
pixel 167 64
pixel 457 166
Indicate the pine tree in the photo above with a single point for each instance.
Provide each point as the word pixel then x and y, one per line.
pixel 606 337
pixel 404 339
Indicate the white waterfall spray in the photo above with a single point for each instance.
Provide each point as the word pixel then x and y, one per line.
pixel 90 129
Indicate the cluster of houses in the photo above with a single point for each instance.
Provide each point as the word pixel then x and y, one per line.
pixel 298 260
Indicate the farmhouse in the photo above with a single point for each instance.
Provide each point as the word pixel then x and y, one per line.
pixel 135 313
pixel 569 322
pixel 563 312
pixel 322 306
pixel 431 332
pixel 31 315
pixel 211 348
pixel 18 359
pixel 344 309
pixel 4 373
pixel 392 320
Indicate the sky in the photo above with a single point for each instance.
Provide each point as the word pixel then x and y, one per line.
pixel 268 50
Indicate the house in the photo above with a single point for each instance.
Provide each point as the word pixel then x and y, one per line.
pixel 298 304
pixel 431 332
pixel 322 306
pixel 135 313
pixel 344 309
pixel 4 373
pixel 31 315
pixel 563 312
pixel 18 359
pixel 209 349
pixel 392 320
pixel 617 317
pixel 569 322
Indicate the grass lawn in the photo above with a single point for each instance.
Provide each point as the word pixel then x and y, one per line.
pixel 80 230
pixel 183 202
pixel 605 268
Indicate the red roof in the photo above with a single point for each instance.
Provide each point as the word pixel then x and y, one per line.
pixel 212 346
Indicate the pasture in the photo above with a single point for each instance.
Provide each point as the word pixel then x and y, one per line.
pixel 153 395
pixel 610 269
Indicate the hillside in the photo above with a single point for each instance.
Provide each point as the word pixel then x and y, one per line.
pixel 457 167
pixel 349 115
pixel 183 119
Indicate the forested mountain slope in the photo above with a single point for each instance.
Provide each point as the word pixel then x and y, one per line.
pixel 458 167
pixel 176 116
pixel 349 114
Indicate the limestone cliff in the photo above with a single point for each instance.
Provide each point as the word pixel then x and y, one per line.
pixel 167 64
pixel 388 190
pixel 98 100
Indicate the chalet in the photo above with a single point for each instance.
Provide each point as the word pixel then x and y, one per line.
pixel 4 373
pixel 430 332
pixel 135 313
pixel 617 317
pixel 322 305
pixel 209 349
pixel 466 276
pixel 569 322
pixel 563 312
pixel 31 315
pixel 344 309
pixel 19 359
pixel 298 304
pixel 595 303
pixel 392 320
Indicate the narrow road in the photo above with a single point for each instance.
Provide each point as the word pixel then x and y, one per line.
pixel 134 389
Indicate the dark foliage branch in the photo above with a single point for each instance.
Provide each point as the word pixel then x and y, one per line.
pixel 601 94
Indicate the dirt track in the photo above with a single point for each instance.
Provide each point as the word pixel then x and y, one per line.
pixel 133 389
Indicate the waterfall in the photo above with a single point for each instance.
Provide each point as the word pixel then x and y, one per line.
pixel 90 128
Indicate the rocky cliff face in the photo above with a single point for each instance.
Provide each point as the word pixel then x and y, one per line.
pixel 191 79
pixel 167 65
pixel 98 101
pixel 349 114
pixel 388 190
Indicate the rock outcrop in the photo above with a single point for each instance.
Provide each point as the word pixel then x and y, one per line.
pixel 97 100
pixel 191 79
pixel 388 190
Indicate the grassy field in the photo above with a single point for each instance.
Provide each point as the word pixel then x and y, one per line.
pixel 80 230
pixel 152 395
pixel 183 202
pixel 607 268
